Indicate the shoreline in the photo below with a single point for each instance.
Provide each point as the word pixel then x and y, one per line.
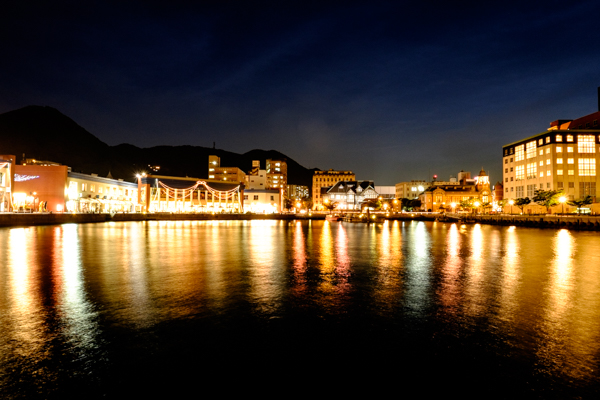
pixel 575 222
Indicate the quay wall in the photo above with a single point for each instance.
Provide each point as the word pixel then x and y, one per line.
pixel 576 222
pixel 24 219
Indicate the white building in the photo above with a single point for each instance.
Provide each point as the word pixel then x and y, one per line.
pixel 262 201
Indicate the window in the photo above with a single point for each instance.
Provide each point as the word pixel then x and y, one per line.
pixel 520 153
pixel 531 190
pixel 506 170
pixel 559 161
pixel 83 187
pixel 506 159
pixel 511 169
pixel 511 178
pixel 585 144
pixel 541 163
pixel 570 161
pixel 541 174
pixel 547 139
pixel 569 138
pixel 245 197
pixel 548 150
pixel 519 191
pixel 548 185
pixel 531 171
pixel 511 159
pixel 530 149
pixel 587 188
pixel 571 185
pixel 506 180
pixel 255 197
pixel 559 138
pixel 520 172
pixel 569 149
pixel 272 198
pixel 548 162
pixel 559 172
pixel 559 149
pixel 541 152
pixel 587 167
pixel 549 172
pixel 559 185
pixel 92 188
pixel 540 142
pixel 571 172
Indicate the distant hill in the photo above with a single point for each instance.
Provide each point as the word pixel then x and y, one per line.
pixel 45 133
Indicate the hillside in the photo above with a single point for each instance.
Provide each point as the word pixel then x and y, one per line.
pixel 45 133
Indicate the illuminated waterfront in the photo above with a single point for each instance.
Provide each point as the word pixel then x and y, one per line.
pixel 86 308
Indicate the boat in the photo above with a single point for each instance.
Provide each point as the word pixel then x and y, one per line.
pixel 333 217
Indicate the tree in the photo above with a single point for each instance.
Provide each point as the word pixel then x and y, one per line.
pixel 581 202
pixel 416 203
pixel 486 205
pixel 372 203
pixel 330 205
pixel 522 202
pixel 405 204
pixel 547 198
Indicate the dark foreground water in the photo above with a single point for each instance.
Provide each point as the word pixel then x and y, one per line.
pixel 278 308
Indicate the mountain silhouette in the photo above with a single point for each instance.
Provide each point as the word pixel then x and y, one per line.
pixel 44 133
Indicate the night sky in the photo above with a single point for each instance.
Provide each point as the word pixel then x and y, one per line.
pixel 391 90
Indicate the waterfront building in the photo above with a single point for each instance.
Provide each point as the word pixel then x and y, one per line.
pixel 256 179
pixel 410 190
pixel 262 201
pixel 562 158
pixel 7 163
pixel 219 173
pixel 175 194
pixel 448 195
pixel 349 195
pixel 385 192
pixel 277 175
pixel 297 192
pixel 327 179
pixel 46 186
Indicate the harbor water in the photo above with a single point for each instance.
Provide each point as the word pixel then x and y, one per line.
pixel 123 308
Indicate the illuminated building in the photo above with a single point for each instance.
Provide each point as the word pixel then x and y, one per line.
pixel 262 201
pixel 441 195
pixel 327 179
pixel 174 194
pixel 564 158
pixel 297 192
pixel 410 190
pixel 6 182
pixel 349 195
pixel 48 186
pixel 277 175
pixel 219 173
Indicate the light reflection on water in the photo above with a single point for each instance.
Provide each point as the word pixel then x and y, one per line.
pixel 533 292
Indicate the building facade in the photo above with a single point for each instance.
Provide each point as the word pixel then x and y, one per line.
pixel 262 201
pixel 562 158
pixel 410 190
pixel 446 196
pixel 349 195
pixel 327 179
pixel 277 175
pixel 219 173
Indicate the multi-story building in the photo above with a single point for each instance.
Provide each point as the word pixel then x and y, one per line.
pixel 297 192
pixel 563 158
pixel 219 173
pixel 349 195
pixel 410 190
pixel 277 175
pixel 448 195
pixel 327 179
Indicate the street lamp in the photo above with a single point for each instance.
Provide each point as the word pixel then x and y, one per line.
pixel 453 205
pixel 562 200
pixel 476 204
pixel 511 202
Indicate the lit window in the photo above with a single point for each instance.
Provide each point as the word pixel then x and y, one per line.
pixel 541 142
pixel 531 171
pixel 559 149
pixel 530 149
pixel 570 161
pixel 587 167
pixel 211 177
pixel 541 152
pixel 559 161
pixel 520 172
pixel 549 172
pixel 548 139
pixel 541 174
pixel 541 163
pixel 569 149
pixel 559 172
pixel 571 172
pixel 548 162
pixel 569 138
pixel 585 144
pixel 559 138
pixel 548 150
pixel 520 153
